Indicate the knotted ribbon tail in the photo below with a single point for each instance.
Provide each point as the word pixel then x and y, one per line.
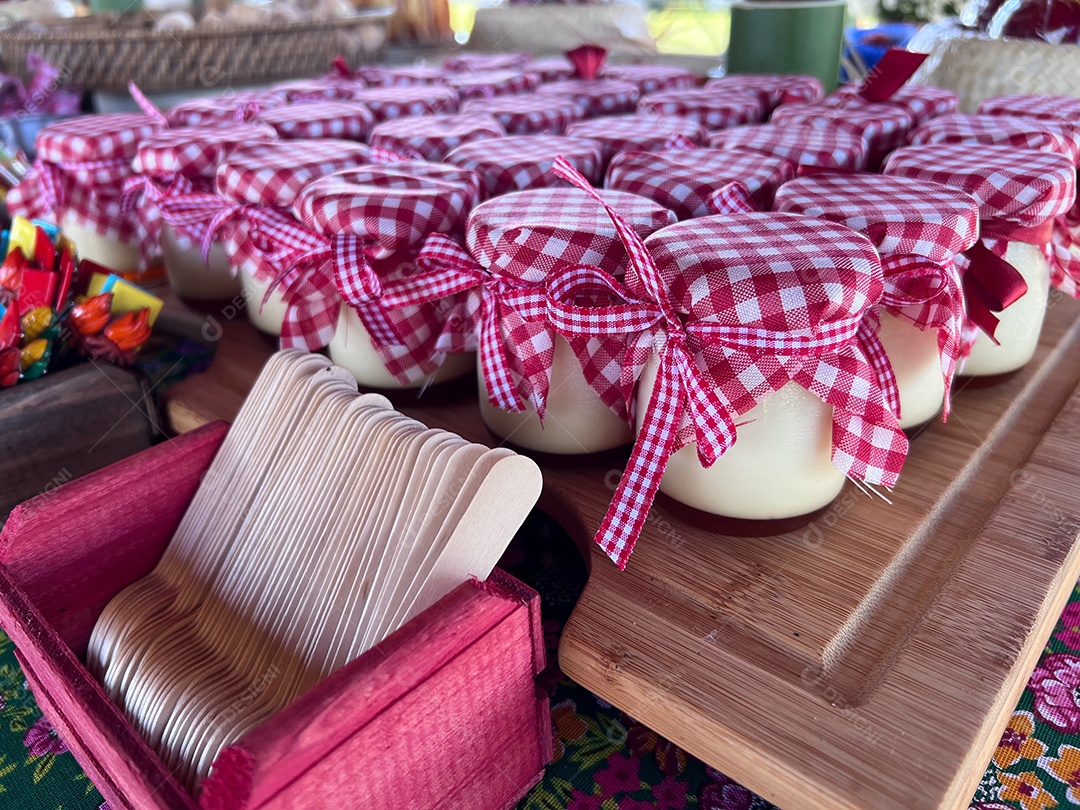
pixel 890 74
pixel 678 143
pixel 870 343
pixel 493 361
pixel 991 285
pixel 629 508
pixel 1065 245
pixel 732 198
pixel 146 105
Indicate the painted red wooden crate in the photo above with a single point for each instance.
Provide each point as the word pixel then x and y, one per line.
pixel 443 713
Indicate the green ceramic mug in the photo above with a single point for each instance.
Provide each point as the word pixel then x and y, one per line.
pixel 788 36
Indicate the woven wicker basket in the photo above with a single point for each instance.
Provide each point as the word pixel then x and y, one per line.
pixel 104 52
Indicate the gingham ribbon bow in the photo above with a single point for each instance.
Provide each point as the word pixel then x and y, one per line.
pixel 44 189
pixel 202 212
pixel 486 313
pixel 682 388
pixel 1065 246
pixel 929 295
pixel 146 194
pixel 318 274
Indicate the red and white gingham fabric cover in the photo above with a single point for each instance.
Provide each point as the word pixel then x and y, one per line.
pixel 476 62
pixel 328 88
pixel 595 97
pixel 1042 135
pixel 772 89
pixel 351 219
pixel 491 83
pixel 1018 191
pixel 551 68
pixel 653 133
pixel 432 137
pixel 492 294
pixel 651 78
pixel 524 161
pixel 534 114
pixel 81 166
pixel 236 107
pixel 923 103
pixel 258 176
pixel 686 181
pixel 416 75
pixel 730 309
pixel 712 109
pixel 396 102
pixel 180 161
pixel 1033 107
pixel 918 228
pixel 803 146
pixel 344 120
pixel 884 127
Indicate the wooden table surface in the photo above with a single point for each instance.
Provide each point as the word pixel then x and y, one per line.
pixel 868 661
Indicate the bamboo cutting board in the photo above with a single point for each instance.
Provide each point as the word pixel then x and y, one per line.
pixel 868 661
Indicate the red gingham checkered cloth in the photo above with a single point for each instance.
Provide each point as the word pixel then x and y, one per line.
pixel 595 97
pixel 535 114
pixel 524 161
pixel 1017 190
pixel 180 161
pixel 344 120
pixel 1042 135
pixel 476 62
pixel 432 137
pixel 494 302
pixel 918 228
pixel 81 167
pixel 773 90
pixel 551 68
pixel 253 176
pixel 728 306
pixel 492 83
pixel 416 75
pixel 653 133
pixel 883 126
pixel 651 78
pixel 687 181
pixel 1033 107
pixel 397 102
pixel 238 107
pixel 803 146
pixel 354 217
pixel 328 88
pixel 922 103
pixel 712 109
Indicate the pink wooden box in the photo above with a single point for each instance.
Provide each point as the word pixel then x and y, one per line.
pixel 443 713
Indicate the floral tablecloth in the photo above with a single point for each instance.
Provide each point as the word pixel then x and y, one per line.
pixel 604 760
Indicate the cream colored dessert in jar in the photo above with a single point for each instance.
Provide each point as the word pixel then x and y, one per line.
pixel 919 228
pixel 431 198
pixel 77 181
pixel 351 348
pixel 780 467
pixel 1019 325
pixel 121 255
pixel 576 420
pixel 740 304
pixel 258 183
pixel 1015 227
pixel 504 235
pixel 176 163
pixel 190 276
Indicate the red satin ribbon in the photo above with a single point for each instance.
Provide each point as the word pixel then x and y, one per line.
pixel 587 60
pixel 890 74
